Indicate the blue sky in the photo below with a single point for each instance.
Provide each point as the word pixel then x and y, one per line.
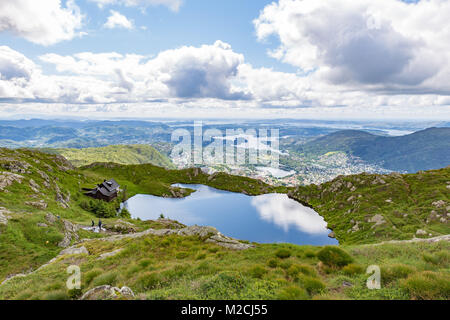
pixel 196 23
pixel 171 58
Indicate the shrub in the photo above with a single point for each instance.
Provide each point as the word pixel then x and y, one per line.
pixel 223 286
pixel 283 253
pixel 144 263
pixel 395 272
pixel 272 263
pixel 427 286
pixel 257 272
pixel 440 258
pixel 124 213
pixel 293 271
pixel 312 285
pixel 149 281
pixel 334 257
pixel 309 254
pixel 74 293
pixel 89 276
pixel 105 279
pixel 352 269
pixel 293 293
pixel 307 270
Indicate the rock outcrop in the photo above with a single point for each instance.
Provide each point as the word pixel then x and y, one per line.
pixel 208 234
pixel 4 216
pixel 8 178
pixel 42 205
pixel 107 292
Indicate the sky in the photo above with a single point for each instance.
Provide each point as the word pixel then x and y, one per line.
pixel 306 59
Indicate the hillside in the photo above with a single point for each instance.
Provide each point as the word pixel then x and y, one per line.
pixel 368 208
pixel 122 154
pixel 42 214
pixel 423 150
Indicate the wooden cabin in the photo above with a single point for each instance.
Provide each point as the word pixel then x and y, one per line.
pixel 107 191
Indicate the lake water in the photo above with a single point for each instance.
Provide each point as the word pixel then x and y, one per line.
pixel 269 218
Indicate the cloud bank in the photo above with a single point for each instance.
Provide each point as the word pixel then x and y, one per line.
pixel 43 22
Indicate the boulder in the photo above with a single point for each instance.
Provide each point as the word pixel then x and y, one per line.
pixel 70 251
pixel 421 232
pixel 4 216
pixel 378 219
pixel 16 166
pixel 50 218
pixel 8 178
pixel 107 292
pixel 34 186
pixel 109 254
pixel 70 232
pixel 42 205
pixel 439 204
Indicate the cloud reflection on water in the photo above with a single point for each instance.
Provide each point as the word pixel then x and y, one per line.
pixel 287 213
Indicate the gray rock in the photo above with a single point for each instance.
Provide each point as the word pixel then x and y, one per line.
pixel 439 204
pixel 332 235
pixel 4 216
pixel 70 232
pixel 378 219
pixel 42 225
pixel 42 205
pixel 421 232
pixel 77 251
pixel 109 254
pixel 107 292
pixel 50 218
pixel 34 186
pixel 8 178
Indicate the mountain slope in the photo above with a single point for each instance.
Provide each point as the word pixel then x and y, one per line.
pixel 423 150
pixel 122 154
pixel 368 208
pixel 40 208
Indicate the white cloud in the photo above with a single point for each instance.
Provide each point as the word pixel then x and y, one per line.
pixel 210 80
pixel 117 20
pixel 386 45
pixel 43 22
pixel 172 4
pixel 187 72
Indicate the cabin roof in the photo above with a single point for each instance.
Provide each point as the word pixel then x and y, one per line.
pixel 107 188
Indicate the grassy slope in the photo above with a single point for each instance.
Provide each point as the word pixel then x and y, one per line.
pixel 23 244
pixel 404 201
pixel 124 154
pixel 177 267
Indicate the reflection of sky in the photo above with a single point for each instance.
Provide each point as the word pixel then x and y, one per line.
pixel 287 213
pixel 269 218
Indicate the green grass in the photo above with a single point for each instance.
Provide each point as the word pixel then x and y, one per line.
pixel 351 205
pixel 123 154
pixel 175 267
pixel 150 266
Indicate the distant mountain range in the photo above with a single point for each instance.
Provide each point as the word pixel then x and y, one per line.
pixel 122 154
pixel 423 150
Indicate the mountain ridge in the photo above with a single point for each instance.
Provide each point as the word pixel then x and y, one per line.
pixel 423 150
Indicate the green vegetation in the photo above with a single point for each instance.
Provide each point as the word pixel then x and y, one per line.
pixel 168 268
pixel 334 257
pixel 368 208
pixel 123 154
pixel 422 150
pixel 186 267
